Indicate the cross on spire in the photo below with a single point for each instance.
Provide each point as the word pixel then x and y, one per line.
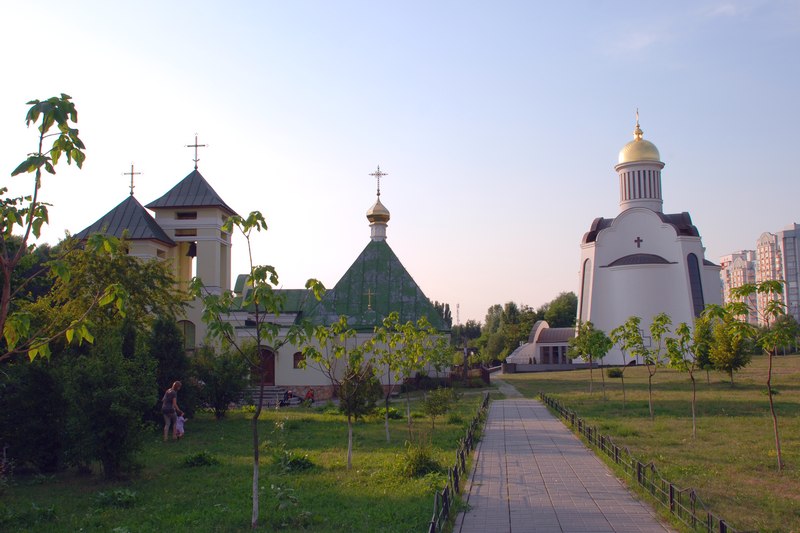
pixel 196 146
pixel 131 174
pixel 369 294
pixel 378 175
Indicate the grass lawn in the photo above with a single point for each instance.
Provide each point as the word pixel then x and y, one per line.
pixel 166 495
pixel 731 463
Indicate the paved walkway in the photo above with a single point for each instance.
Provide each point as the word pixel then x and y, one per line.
pixel 532 474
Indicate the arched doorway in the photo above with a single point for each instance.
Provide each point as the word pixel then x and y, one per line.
pixel 265 368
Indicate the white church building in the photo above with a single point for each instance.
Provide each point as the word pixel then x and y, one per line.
pixel 643 261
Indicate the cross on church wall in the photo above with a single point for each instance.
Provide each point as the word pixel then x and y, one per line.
pixel 638 241
pixel 369 294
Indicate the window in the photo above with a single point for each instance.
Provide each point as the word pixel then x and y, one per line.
pixel 188 330
pixel 299 358
pixel 161 254
pixel 186 215
pixel 185 232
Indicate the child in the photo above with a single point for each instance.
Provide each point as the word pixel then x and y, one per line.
pixel 179 426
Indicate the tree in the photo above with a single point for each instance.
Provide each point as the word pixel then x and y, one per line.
pixel 728 335
pixel 778 332
pixel 358 391
pixel 261 300
pixel 682 351
pixel 628 337
pixel 561 311
pixel 590 343
pixel 29 214
pixel 341 359
pixel 222 377
pixel 166 347
pixel 659 327
pixel 438 402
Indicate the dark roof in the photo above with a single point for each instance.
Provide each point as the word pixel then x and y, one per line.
pixel 708 263
pixel 559 335
pixel 192 191
pixel 374 286
pixel 132 220
pixel 682 222
pixel 640 259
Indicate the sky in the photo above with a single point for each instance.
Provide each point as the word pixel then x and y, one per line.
pixel 498 123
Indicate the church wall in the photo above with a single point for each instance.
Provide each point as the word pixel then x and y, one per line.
pixel 642 290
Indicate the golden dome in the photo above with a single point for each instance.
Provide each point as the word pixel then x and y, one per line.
pixel 378 212
pixel 638 149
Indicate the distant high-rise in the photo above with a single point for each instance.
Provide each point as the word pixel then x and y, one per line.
pixel 775 258
pixel 737 269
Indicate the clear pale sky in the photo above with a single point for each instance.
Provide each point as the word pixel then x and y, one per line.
pixel 499 123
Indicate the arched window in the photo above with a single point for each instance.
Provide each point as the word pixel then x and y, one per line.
pixel 188 330
pixel 695 284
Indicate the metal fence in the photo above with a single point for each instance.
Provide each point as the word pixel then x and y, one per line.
pixel 443 500
pixel 684 504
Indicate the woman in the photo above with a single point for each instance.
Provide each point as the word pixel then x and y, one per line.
pixel 170 410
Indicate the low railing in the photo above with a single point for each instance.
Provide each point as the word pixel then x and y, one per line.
pixel 443 500
pixel 684 504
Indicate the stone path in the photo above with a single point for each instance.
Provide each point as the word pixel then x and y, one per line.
pixel 532 474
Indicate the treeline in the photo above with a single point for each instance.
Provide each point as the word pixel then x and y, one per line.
pixel 506 326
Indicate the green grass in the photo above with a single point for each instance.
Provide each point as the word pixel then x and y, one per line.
pixel 731 463
pixel 203 483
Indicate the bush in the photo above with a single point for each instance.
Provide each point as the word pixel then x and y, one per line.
pixel 33 418
pixel 222 378
pixel 120 498
pixel 203 458
pixel 614 372
pixel 417 461
pixel 394 414
pixel 455 419
pixel 107 396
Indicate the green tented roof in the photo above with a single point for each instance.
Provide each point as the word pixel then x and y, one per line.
pixel 374 286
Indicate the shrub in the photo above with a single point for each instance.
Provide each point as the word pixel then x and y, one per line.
pixel 222 377
pixel 33 418
pixel 614 372
pixel 292 461
pixel 394 414
pixel 417 461
pixel 455 419
pixel 107 396
pixel 121 498
pixel 438 402
pixel 203 458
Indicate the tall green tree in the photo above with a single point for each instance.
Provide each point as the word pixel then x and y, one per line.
pixel 562 310
pixel 28 214
pixel 262 301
